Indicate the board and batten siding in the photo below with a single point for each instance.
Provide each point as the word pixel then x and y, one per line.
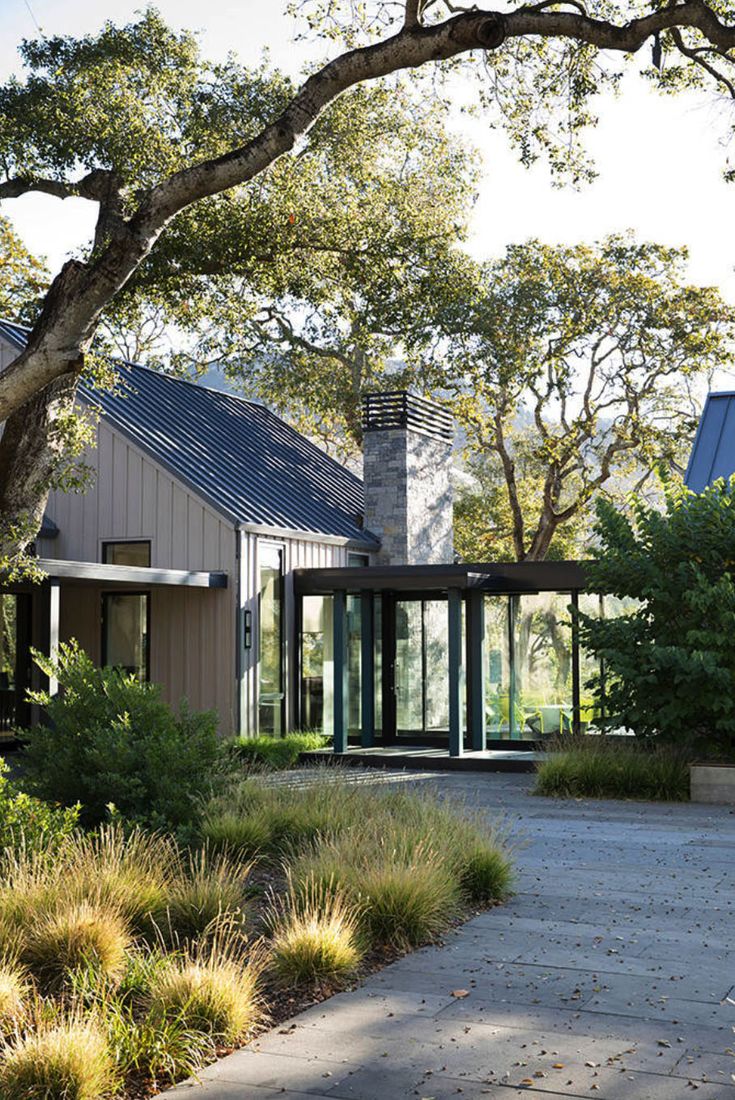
pixel 192 631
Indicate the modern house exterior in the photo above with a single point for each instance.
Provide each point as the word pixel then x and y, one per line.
pixel 177 562
pixel 221 554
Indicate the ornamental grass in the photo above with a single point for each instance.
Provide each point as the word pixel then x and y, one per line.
pixel 61 1059
pixel 314 934
pixel 213 990
pixel 613 767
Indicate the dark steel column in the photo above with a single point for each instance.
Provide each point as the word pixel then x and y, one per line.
pixel 367 655
pixel 476 669
pixel 340 672
pixel 454 623
pixel 576 692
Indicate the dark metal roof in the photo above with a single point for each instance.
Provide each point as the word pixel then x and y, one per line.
pixel 713 451
pixel 498 577
pixel 16 334
pixel 236 454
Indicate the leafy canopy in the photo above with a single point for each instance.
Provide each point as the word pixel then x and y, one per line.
pixel 670 663
pixel 23 278
pixel 575 369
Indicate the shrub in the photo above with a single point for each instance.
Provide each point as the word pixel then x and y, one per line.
pixel 14 991
pixel 27 822
pixel 272 753
pixel 313 934
pixel 669 662
pixel 66 1060
pixel 213 993
pixel 595 767
pixel 73 938
pixel 210 888
pixel 111 739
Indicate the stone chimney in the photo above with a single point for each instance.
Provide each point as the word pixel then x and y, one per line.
pixel 407 458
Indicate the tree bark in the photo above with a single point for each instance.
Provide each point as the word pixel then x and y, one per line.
pixel 31 449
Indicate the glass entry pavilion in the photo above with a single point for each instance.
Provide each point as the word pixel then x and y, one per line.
pixel 468 657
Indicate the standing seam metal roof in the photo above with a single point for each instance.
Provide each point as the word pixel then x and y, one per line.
pixel 247 462
pixel 713 450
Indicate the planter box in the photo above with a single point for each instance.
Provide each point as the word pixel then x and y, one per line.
pixel 712 783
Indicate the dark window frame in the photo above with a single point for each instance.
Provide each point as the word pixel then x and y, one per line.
pixel 127 592
pixel 107 543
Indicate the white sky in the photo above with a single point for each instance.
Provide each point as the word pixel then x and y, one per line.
pixel 660 159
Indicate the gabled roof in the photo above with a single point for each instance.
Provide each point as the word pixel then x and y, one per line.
pixel 246 462
pixel 713 451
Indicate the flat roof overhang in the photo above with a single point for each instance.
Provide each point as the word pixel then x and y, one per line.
pixel 498 577
pixel 126 576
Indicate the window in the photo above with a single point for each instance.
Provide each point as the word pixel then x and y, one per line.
pixel 125 625
pixel 356 561
pixel 127 553
pixel 271 695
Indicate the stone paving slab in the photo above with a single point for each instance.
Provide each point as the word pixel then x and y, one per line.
pixel 606 976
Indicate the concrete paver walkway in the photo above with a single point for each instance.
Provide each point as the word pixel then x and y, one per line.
pixel 606 976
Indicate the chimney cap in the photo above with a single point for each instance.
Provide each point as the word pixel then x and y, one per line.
pixel 401 409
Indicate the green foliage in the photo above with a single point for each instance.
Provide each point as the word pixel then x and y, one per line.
pixel 572 369
pixel 30 822
pixel 137 99
pixel 23 278
pixel 69 938
pixel 111 739
pixel 272 753
pixel 599 767
pixel 669 662
pixel 216 994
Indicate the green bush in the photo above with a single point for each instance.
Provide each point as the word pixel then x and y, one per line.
pixel 29 822
pixel 111 739
pixel 670 662
pixel 598 767
pixel 272 753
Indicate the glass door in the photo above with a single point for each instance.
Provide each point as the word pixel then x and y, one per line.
pixel 271 694
pixel 421 683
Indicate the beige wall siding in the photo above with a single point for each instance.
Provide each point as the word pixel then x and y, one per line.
pixel 132 497
pixel 192 631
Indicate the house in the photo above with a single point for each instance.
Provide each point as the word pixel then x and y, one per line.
pixel 177 563
pixel 221 554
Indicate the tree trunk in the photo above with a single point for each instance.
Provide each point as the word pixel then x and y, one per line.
pixel 31 451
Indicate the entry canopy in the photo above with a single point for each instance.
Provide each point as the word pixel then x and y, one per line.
pixel 86 572
pixel 500 578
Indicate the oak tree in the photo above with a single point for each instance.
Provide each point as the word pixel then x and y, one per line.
pixel 577 369
pixel 133 120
